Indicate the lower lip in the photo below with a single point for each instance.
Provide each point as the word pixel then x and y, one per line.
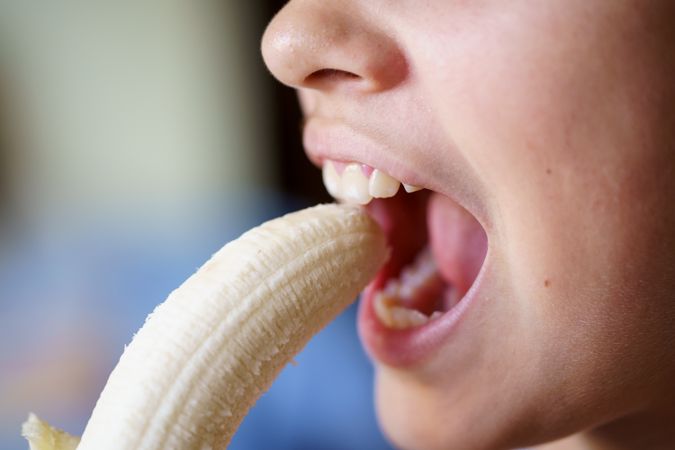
pixel 408 347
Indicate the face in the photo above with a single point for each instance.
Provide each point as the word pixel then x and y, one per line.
pixel 542 134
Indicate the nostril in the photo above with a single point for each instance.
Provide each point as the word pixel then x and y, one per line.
pixel 323 77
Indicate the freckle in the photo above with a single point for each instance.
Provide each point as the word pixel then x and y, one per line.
pixel 547 282
pixel 548 171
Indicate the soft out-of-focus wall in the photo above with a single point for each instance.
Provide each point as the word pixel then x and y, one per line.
pixel 134 142
pixel 150 105
pixel 4 154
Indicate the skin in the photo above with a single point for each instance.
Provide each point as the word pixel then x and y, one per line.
pixel 553 124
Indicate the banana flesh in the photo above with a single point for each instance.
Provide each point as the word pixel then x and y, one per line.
pixel 41 436
pixel 206 354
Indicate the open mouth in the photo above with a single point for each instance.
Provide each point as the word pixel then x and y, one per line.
pixel 438 250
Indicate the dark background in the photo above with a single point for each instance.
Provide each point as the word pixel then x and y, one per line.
pixel 297 176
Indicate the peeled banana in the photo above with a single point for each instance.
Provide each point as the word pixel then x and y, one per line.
pixel 42 436
pixel 206 354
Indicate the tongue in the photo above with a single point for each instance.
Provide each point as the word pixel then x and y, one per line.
pixel 458 242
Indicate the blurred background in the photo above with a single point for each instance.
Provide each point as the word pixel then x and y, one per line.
pixel 136 138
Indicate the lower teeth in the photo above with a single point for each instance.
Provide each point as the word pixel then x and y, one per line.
pixel 390 303
pixel 398 317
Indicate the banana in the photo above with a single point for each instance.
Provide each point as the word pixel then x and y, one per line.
pixel 206 354
pixel 41 436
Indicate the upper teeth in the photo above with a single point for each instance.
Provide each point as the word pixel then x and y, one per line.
pixel 353 186
pixel 411 188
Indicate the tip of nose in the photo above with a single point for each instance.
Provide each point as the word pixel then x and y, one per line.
pixel 316 46
pixel 283 55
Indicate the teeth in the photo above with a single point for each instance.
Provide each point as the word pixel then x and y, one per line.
pixel 390 303
pixel 382 185
pixel 392 288
pixel 395 316
pixel 383 306
pixel 354 186
pixel 407 318
pixel 409 188
pixel 332 180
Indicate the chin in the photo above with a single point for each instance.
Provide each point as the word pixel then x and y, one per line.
pixel 417 415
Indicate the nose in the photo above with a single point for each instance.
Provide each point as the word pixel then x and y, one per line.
pixel 326 45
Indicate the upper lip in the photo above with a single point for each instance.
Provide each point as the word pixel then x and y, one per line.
pixel 334 139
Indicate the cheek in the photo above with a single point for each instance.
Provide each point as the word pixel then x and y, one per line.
pixel 497 98
pixel 538 103
pixel 554 124
pixel 508 99
pixel 524 89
